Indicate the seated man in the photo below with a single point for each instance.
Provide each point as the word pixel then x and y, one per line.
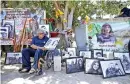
pixel 36 50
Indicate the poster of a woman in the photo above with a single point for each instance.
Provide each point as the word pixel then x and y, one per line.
pixel 106 34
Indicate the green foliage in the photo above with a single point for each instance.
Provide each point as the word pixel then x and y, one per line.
pixel 82 8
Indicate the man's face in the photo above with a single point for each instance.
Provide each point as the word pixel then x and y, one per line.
pixel 41 35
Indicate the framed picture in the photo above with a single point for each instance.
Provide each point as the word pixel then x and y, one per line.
pixel 97 53
pixel 46 29
pixel 10 24
pixel 71 52
pixel 85 54
pixel 112 68
pixel 92 66
pixel 52 43
pixel 0 53
pixel 74 64
pixel 125 60
pixel 13 58
pixel 4 33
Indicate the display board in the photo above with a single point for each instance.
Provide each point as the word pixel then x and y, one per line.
pixel 109 35
pixel 12 13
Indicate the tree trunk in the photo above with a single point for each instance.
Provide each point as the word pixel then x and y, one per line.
pixel 70 18
pixel 65 15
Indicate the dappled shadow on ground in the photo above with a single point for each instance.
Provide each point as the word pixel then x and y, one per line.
pixel 11 76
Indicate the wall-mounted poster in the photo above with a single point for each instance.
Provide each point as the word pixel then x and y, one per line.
pixel 19 25
pixel 125 60
pixel 10 24
pixel 110 35
pixel 52 43
pixel 3 32
pixel 13 58
pixel 46 29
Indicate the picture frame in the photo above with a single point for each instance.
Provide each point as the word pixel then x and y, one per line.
pixel 52 43
pixel 92 66
pixel 46 29
pixel 13 58
pixel 0 53
pixel 74 64
pixel 11 26
pixel 125 60
pixel 112 68
pixel 71 52
pixel 85 54
pixel 97 53
pixel 4 33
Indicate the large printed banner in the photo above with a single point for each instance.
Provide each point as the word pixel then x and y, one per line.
pixel 12 13
pixel 109 35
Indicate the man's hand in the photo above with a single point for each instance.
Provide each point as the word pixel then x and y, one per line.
pixel 43 48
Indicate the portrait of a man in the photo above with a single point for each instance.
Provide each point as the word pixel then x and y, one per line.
pixel 125 59
pixel 112 68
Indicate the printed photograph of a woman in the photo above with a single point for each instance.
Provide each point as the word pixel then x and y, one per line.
pixel 106 34
pixel 92 67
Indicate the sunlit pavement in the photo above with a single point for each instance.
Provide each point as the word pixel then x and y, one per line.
pixel 10 75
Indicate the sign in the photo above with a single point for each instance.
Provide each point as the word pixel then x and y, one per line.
pixel 11 13
pixel 109 35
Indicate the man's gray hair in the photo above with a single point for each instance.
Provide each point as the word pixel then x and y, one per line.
pixel 41 31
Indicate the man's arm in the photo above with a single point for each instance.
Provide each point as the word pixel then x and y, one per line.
pixel 33 44
pixel 35 47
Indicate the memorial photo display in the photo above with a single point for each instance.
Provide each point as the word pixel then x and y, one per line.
pixel 112 68
pixel 85 54
pixel 125 60
pixel 97 53
pixel 10 24
pixel 4 32
pixel 13 58
pixel 52 43
pixel 71 52
pixel 74 64
pixel 92 66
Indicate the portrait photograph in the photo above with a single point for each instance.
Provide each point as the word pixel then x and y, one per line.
pixel 71 52
pixel 52 43
pixel 92 66
pixel 97 53
pixel 125 60
pixel 10 24
pixel 106 34
pixel 4 33
pixel 85 54
pixel 112 68
pixel 13 58
pixel 46 29
pixel 74 64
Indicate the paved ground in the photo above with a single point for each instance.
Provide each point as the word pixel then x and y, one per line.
pixel 9 75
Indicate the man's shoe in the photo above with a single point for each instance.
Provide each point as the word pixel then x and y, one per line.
pixel 32 71
pixel 23 70
pixel 39 72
